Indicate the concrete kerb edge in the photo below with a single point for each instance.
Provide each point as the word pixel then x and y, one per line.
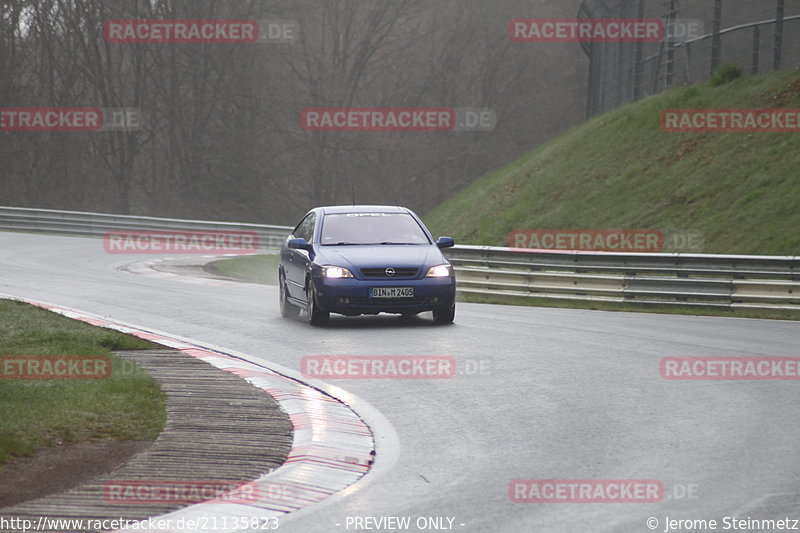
pixel 356 429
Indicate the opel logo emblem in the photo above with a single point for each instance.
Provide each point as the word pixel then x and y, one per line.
pixel 390 272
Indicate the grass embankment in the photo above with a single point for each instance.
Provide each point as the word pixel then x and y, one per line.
pixel 250 268
pixel 127 405
pixel 741 191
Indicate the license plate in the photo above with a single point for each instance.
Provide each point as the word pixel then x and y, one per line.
pixel 391 292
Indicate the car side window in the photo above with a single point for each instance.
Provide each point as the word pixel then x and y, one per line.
pixel 305 230
pixel 296 231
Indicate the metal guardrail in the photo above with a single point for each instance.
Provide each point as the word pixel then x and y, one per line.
pixel 757 282
pixel 81 224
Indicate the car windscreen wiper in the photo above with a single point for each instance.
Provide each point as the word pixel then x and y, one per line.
pixel 343 243
pixel 399 243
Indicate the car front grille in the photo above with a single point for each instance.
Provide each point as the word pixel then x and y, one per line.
pixel 380 273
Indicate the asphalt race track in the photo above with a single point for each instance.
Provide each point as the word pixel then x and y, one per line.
pixel 565 394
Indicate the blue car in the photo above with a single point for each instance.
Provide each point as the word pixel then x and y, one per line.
pixel 365 260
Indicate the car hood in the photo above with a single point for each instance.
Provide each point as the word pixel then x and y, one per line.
pixel 380 256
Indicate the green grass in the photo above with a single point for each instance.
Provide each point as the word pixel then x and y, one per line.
pixel 251 268
pixel 621 171
pixel 127 405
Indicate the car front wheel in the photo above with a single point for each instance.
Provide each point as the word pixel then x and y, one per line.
pixel 287 309
pixel 316 316
pixel 444 315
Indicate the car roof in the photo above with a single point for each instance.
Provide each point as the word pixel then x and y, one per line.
pixel 343 209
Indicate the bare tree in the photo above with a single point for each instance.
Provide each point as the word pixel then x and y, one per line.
pixel 222 136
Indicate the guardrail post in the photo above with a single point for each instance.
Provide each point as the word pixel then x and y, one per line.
pixel 756 49
pixel 638 72
pixel 779 18
pixel 716 40
pixel 673 14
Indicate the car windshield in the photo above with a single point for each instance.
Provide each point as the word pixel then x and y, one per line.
pixel 372 228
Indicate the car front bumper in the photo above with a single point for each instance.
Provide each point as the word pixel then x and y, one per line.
pixel 350 296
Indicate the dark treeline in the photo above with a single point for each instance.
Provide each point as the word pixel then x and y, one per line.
pixel 222 137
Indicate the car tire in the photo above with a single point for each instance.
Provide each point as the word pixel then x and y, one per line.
pixel 288 310
pixel 444 315
pixel 316 316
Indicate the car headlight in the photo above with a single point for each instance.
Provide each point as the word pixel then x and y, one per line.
pixel 440 271
pixel 335 272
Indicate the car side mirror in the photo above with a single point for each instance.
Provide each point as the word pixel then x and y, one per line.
pixel 299 244
pixel 445 242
